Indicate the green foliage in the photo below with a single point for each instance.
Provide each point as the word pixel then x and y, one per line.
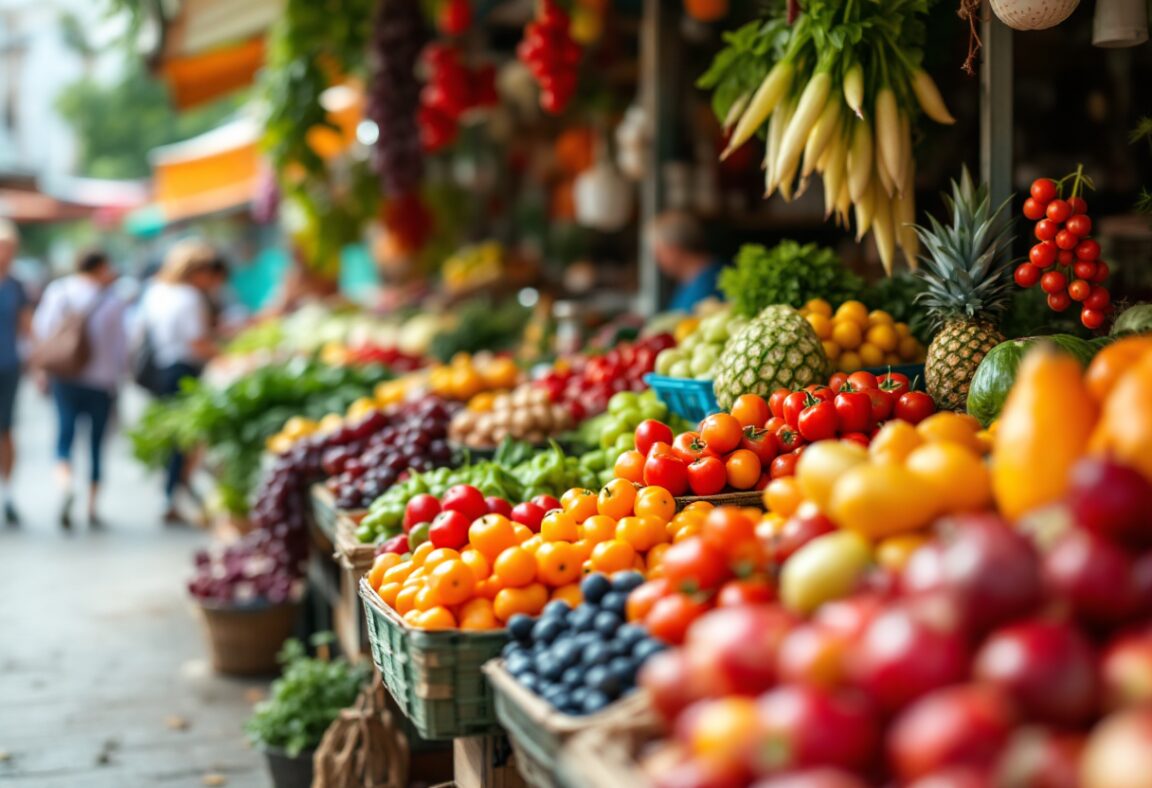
pixel 233 423
pixel 738 69
pixel 1143 131
pixel 482 325
pixel 117 124
pixel 305 700
pixel 788 273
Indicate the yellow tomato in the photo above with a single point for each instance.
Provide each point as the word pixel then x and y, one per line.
pixel 870 355
pixel 819 306
pixel 957 474
pixel 878 317
pixel 826 568
pixel 854 311
pixel 881 499
pixel 847 334
pixel 849 361
pixel 908 348
pixel 821 324
pixel 948 427
pixel 883 336
pixel 822 464
pixel 831 349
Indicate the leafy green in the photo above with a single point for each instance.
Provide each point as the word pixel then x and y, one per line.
pixel 788 273
pixel 481 325
pixel 738 69
pixel 305 700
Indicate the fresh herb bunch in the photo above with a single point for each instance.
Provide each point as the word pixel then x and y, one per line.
pixel 234 422
pixel 788 273
pixel 305 700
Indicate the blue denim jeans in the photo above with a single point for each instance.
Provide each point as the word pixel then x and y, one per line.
pixel 74 401
pixel 170 378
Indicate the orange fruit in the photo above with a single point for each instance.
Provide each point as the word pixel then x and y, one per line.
pixel 436 618
pixel 426 599
pixel 398 573
pixel 523 532
pixel 382 564
pixel 421 552
pixel 630 466
pixel 614 555
pixel 655 502
pixel 617 498
pixel 558 564
pixel 532 544
pixel 598 528
pixel 643 533
pixel 476 562
pixel 492 534
pixel 489 587
pixel 570 594
pixel 388 593
pixel 515 567
pixel 537 597
pixel 948 427
pixel 583 548
pixel 452 582
pixel 656 556
pixel 417 575
pixel 580 503
pixel 406 599
pixel 510 601
pixel 783 496
pixel 439 556
pixel 478 615
pixel 686 532
pixel 699 506
pixel 412 618
pixel 559 526
pixel 893 553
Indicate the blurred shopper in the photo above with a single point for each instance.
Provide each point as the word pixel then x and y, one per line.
pixel 91 392
pixel 176 318
pixel 681 249
pixel 15 324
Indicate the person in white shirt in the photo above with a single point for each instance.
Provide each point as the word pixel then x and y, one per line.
pixel 174 314
pixel 91 394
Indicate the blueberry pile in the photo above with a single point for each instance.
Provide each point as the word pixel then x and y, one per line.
pixel 581 659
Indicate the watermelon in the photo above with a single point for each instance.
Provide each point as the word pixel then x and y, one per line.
pixel 997 371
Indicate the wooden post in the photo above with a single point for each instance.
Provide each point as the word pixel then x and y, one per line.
pixel 996 130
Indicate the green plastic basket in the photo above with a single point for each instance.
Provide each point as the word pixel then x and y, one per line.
pixel 435 677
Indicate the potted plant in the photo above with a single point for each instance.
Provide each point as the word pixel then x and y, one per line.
pixel 302 703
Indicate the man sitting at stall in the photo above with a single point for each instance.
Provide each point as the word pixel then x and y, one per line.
pixel 681 248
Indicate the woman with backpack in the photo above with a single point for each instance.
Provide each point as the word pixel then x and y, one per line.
pixel 82 345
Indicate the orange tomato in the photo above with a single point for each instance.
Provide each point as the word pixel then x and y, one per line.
pixel 643 533
pixel 515 567
pixel 489 587
pixel 583 549
pixel 412 617
pixel 452 582
pixel 655 502
pixel 523 532
pixel 421 552
pixel 529 600
pixel 643 597
pixel 655 556
pixel 476 562
pixel 722 432
pixel 686 532
pixel 388 593
pixel 532 544
pixel 630 466
pixel 406 599
pixel 1112 362
pixel 743 467
pixel 559 526
pixel 398 573
pixel 579 503
pixel 382 564
pixel 617 498
pixel 439 556
pixel 558 564
pixel 436 618
pixel 478 615
pixel 570 594
pixel 426 599
pixel 492 534
pixel 783 496
pixel 615 555
pixel 699 506
pixel 726 527
pixel 598 528
pixel 750 410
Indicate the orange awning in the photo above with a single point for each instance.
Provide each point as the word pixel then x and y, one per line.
pixel 201 78
pixel 214 172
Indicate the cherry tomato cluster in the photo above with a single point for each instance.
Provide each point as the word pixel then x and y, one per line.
pixel 452 90
pixel 1065 260
pixel 761 440
pixel 587 385
pixel 552 56
pixel 455 17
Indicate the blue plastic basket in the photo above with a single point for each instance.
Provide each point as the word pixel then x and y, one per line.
pixel 687 398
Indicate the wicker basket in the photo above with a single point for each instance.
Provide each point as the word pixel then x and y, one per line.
pixel 435 677
pixel 244 641
pixel 605 756
pixel 326 513
pixel 538 731
pixel 352 554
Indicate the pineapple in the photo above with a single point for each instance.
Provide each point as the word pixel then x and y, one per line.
pixel 967 268
pixel 778 348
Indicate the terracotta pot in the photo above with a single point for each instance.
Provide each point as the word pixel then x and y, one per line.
pixel 244 641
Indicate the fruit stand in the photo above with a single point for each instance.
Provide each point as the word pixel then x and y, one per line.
pixel 876 515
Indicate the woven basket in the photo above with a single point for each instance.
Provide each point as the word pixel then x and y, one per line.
pixel 244 641
pixel 605 756
pixel 1033 14
pixel 352 554
pixel 435 677
pixel 538 731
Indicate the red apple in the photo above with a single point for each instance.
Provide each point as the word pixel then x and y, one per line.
pixel 1040 758
pixel 671 682
pixel 1094 576
pixel 733 649
pixel 1126 669
pixel 1046 667
pixel 991 569
pixel 1111 500
pixel 819 777
pixel 909 650
pixel 1119 752
pixel 961 726
pixel 803 726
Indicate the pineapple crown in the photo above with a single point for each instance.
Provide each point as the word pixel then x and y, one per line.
pixel 967 268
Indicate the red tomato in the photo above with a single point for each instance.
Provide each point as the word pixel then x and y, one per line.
pixel 914 406
pixel 862 380
pixel 721 431
pixel 837 381
pixel 895 383
pixel 1046 230
pixel 784 465
pixel 1098 299
pixel 1066 241
pixel 750 591
pixel 818 422
pixel 788 438
pixel 466 499
pixel 1033 209
pixel 1078 204
pixel 421 508
pixel 689 446
pixel 694 565
pixel 857 437
pixel 1058 302
pixel 667 471
pixel 776 401
pixel 1088 250
pixel 649 432
pixel 821 392
pixel 1084 269
pixel 449 529
pixel 546 502
pixel 670 616
pixel 882 403
pixel 1091 318
pixel 1043 190
pixel 1079 224
pixel 762 443
pixel 660 449
pixel 707 476
pixel 853 411
pixel 794 403
pixel 1043 254
pixel 1026 275
pixel 774 424
pixel 1101 272
pixel 1058 210
pixel 743 468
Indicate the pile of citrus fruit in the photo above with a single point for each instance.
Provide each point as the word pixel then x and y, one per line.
pixel 855 338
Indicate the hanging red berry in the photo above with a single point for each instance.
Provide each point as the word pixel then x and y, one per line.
pixel 552 56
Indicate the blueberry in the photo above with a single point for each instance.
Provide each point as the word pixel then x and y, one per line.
pixel 618 649
pixel 596 654
pixel 510 648
pixel 594 701
pixel 554 694
pixel 625 670
pixel 630 634
pixel 579 694
pixel 567 653
pixel 607 623
pixel 546 630
pixel 518 663
pixel 626 581
pixel 646 648
pixel 550 668
pixel 615 602
pixel 594 587
pixel 573 677
pixel 561 698
pixel 595 675
pixel 557 608
pixel 604 680
pixel 520 627
pixel 585 639
pixel 581 618
pixel 529 681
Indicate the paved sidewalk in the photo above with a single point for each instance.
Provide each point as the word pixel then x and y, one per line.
pixel 104 681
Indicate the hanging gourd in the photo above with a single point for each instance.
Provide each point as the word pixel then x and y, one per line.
pixel 1033 14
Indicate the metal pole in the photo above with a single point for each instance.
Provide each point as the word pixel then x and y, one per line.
pixel 659 86
pixel 996 129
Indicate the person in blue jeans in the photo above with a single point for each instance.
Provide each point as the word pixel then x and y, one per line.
pixel 15 323
pixel 680 246
pixel 89 396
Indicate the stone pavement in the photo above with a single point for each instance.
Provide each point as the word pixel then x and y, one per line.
pixel 104 681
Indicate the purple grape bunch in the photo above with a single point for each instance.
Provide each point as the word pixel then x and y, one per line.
pixel 258 568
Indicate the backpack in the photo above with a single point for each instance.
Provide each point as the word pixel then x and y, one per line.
pixel 145 371
pixel 67 350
